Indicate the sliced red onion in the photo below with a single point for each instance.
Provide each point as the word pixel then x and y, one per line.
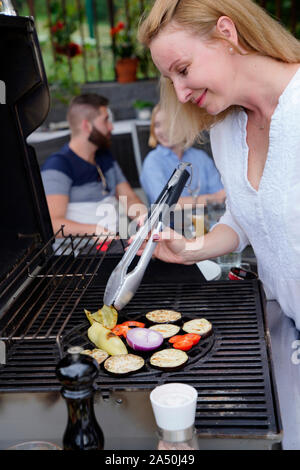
pixel 143 339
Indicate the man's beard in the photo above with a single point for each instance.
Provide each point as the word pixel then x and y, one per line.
pixel 100 140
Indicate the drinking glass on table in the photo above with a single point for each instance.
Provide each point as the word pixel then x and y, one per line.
pixel 197 212
pixel 215 210
pixel 35 445
pixel 195 183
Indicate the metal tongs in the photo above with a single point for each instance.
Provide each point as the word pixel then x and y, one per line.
pixel 121 285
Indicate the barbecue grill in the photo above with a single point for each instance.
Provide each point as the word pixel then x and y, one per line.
pixel 43 295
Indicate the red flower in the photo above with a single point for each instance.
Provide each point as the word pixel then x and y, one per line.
pixel 120 25
pixel 72 49
pixel 60 49
pixel 60 25
pixel 113 31
pixel 116 29
pixel 57 26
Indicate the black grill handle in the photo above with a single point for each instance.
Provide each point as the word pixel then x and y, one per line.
pixel 175 191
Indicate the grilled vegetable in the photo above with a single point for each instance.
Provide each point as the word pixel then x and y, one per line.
pixel 97 354
pixel 199 326
pixel 184 344
pixel 120 330
pixel 190 336
pixel 131 323
pixel 107 316
pixel 163 316
pixel 176 338
pixel 143 339
pixel 166 330
pixel 169 359
pixel 106 340
pixel 92 317
pixel 123 364
pixel 194 337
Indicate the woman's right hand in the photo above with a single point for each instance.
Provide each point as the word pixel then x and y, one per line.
pixel 173 248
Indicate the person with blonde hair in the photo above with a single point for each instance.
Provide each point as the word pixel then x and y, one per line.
pixel 229 68
pixel 204 184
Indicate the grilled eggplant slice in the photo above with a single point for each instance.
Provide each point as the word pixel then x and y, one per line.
pixel 166 329
pixel 169 359
pixel 200 326
pixel 123 364
pixel 97 354
pixel 163 316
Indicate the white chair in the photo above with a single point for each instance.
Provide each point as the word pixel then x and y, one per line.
pixel 140 131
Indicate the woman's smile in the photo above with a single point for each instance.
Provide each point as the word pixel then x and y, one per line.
pixel 200 101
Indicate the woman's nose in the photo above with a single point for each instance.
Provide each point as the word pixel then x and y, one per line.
pixel 183 93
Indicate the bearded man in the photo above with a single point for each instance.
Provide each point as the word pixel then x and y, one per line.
pixel 82 181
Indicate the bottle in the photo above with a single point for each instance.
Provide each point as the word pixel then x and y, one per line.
pixel 6 8
pixel 77 372
pixel 174 408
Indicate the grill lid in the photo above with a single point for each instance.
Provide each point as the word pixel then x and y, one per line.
pixel 24 217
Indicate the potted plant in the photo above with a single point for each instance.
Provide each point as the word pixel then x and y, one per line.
pixel 124 50
pixel 62 30
pixel 143 109
pixel 62 24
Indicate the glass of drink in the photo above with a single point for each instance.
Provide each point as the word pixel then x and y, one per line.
pixel 214 210
pixel 35 445
pixel 228 261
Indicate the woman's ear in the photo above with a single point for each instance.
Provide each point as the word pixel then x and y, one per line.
pixel 226 27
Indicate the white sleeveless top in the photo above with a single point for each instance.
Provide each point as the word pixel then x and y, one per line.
pixel 268 219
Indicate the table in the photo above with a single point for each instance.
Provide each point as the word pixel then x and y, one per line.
pixel 120 127
pixel 59 137
pixel 39 136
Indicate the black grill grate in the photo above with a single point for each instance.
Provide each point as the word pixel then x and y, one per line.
pixel 234 383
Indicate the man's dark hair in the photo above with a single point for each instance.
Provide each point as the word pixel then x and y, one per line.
pixel 85 106
pixel 91 99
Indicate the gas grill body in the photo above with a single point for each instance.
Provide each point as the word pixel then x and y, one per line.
pixel 232 370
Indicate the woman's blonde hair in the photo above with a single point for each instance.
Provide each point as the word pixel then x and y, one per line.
pixel 257 33
pixel 152 142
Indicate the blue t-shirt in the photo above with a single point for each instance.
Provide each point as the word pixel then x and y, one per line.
pixel 64 172
pixel 160 163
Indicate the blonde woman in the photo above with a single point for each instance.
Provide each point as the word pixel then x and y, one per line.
pixel 159 164
pixel 230 68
